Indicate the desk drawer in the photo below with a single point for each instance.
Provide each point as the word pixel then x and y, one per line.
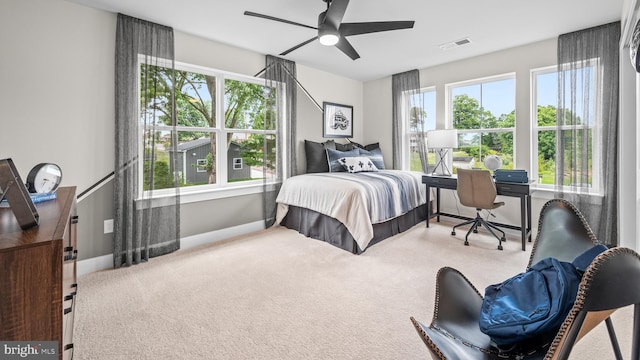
pixel 440 181
pixel 512 188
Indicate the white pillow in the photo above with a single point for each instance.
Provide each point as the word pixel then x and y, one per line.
pixel 357 164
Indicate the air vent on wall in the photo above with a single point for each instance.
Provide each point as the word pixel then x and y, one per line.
pixel 455 43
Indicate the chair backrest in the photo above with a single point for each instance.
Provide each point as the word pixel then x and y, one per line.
pixel 611 282
pixel 563 233
pixel 476 188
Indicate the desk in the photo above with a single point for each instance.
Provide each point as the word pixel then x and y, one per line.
pixel 503 188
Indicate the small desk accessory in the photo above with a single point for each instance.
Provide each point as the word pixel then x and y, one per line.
pixel 14 190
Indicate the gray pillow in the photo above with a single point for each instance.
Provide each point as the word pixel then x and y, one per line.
pixel 317 156
pixel 375 155
pixel 334 155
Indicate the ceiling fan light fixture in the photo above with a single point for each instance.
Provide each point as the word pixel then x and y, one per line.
pixel 329 39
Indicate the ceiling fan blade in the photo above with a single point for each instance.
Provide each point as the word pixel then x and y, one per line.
pixel 250 13
pixel 335 13
pixel 299 46
pixel 345 46
pixel 348 29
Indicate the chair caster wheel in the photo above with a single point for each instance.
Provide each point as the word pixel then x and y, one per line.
pixel 503 239
pixel 475 231
pixel 500 247
pixel 453 233
pixel 466 243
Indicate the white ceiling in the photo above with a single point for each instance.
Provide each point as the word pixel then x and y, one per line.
pixel 491 25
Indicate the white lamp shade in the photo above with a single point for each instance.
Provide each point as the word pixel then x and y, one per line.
pixel 442 139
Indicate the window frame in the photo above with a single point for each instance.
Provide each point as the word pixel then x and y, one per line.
pixel 223 188
pixel 596 127
pixel 479 81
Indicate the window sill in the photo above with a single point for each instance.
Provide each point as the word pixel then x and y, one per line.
pixel 192 196
pixel 549 193
pixel 187 197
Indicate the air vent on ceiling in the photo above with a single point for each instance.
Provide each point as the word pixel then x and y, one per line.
pixel 455 43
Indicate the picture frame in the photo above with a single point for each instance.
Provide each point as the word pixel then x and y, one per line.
pixel 15 191
pixel 337 120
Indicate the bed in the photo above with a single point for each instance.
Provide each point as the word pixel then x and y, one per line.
pixel 352 211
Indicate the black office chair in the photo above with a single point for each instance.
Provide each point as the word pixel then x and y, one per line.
pixel 611 282
pixel 476 189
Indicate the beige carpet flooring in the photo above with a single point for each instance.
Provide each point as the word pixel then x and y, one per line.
pixel 276 294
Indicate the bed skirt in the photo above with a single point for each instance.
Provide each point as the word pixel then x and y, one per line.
pixel 322 227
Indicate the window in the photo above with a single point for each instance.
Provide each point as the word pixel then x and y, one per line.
pixel 237 163
pixel 210 153
pixel 423 104
pixel 201 165
pixel 483 112
pixel 544 111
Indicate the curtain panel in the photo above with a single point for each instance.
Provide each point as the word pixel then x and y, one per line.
pixel 143 228
pixel 407 102
pixel 588 93
pixel 280 74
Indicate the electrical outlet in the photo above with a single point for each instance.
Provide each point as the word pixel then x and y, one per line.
pixel 108 226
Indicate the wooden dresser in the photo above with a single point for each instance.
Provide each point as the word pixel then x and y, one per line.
pixel 38 274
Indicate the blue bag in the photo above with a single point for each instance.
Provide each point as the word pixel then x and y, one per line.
pixel 533 303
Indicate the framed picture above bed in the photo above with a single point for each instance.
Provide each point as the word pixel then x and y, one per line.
pixel 337 120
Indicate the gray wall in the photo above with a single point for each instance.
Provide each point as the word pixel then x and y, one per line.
pixel 56 94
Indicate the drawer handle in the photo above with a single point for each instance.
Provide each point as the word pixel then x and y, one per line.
pixel 68 346
pixel 66 311
pixel 74 219
pixel 75 285
pixel 69 297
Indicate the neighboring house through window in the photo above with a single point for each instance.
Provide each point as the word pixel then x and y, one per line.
pixel 221 121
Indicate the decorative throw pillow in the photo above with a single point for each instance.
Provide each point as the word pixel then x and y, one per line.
pixel 375 155
pixel 334 155
pixel 317 156
pixel 343 147
pixel 357 164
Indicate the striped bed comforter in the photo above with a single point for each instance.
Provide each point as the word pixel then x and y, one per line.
pixel 357 200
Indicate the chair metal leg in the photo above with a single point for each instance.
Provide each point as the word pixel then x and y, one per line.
pixel 614 339
pixel 490 228
pixel 635 348
pixel 473 227
pixel 453 232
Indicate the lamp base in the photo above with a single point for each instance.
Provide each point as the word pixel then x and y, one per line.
pixel 442 153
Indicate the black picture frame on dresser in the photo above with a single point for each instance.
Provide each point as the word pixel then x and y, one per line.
pixel 14 190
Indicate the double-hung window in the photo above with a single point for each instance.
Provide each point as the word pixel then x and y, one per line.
pixel 545 128
pixel 483 112
pixel 224 123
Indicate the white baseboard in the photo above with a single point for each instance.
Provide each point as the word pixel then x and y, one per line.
pixel 106 262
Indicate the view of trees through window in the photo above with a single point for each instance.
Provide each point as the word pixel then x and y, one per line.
pixel 422 118
pixel 484 114
pixel 207 147
pixel 545 127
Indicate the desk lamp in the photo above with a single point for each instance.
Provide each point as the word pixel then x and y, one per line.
pixel 441 141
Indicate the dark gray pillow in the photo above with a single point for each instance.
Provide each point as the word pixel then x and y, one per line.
pixel 334 155
pixel 343 147
pixel 317 156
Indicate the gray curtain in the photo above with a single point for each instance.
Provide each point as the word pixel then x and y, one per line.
pixel 143 228
pixel 577 53
pixel 280 73
pixel 407 98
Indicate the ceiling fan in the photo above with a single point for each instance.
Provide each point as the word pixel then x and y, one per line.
pixel 332 31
